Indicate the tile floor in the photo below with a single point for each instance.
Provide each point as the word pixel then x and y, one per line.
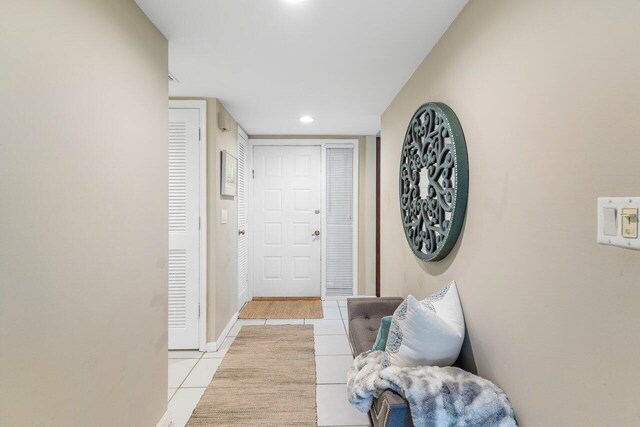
pixel 191 371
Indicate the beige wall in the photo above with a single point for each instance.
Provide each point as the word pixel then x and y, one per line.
pixel 83 215
pixel 213 193
pixel 548 96
pixel 366 204
pixel 226 235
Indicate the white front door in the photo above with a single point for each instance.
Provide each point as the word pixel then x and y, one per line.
pixel 286 235
pixel 184 125
pixel 243 223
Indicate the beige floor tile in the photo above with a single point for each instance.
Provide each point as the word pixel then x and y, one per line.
pixel 179 369
pixel 332 345
pixel 326 326
pixel 183 403
pixel 334 408
pixel 202 374
pixel 332 369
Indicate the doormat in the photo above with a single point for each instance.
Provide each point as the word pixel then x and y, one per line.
pixel 282 308
pixel 267 378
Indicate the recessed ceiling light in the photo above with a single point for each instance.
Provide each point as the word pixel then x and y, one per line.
pixel 294 1
pixel 307 119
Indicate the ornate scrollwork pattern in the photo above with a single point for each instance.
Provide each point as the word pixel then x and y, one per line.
pixel 433 181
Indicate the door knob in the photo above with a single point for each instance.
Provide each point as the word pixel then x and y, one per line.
pixel 241 232
pixel 316 233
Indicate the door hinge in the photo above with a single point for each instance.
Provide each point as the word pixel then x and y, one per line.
pixel 198 309
pixel 253 173
pixel 199 134
pixel 199 223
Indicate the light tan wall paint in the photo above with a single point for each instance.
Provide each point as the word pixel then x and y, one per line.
pixel 212 205
pixel 366 204
pixel 83 215
pixel 226 257
pixel 548 96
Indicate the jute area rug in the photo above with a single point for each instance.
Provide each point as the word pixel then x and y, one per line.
pixel 282 308
pixel 267 378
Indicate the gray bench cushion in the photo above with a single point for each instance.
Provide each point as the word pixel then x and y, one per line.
pixel 364 320
pixel 363 332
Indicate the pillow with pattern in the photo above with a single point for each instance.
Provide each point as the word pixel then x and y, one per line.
pixel 428 332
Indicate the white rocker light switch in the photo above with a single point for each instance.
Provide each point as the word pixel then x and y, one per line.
pixel 609 221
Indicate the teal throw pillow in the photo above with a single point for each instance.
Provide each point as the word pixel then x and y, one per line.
pixel 383 333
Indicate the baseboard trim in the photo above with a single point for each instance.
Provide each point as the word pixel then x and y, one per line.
pixel 346 298
pixel 166 420
pixel 215 345
pixel 211 346
pixel 287 299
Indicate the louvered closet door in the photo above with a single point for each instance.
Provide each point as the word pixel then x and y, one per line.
pixel 184 151
pixel 243 228
pixel 340 222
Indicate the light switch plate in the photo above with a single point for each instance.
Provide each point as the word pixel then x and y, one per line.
pixel 223 216
pixel 618 221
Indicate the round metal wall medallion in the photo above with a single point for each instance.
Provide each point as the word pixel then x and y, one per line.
pixel 434 181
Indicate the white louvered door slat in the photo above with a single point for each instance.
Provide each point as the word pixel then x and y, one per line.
pixel 340 222
pixel 184 260
pixel 243 223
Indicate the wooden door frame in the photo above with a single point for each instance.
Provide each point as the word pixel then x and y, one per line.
pixel 200 105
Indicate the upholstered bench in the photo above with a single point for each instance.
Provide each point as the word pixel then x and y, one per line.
pixel 390 409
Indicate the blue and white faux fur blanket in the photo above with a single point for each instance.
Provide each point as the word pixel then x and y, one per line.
pixel 437 396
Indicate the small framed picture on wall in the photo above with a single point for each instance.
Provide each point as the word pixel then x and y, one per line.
pixel 229 174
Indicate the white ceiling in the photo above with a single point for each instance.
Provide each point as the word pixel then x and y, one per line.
pixel 272 61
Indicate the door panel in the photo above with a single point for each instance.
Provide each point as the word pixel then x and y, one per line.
pixel 243 223
pixel 184 257
pixel 339 222
pixel 286 214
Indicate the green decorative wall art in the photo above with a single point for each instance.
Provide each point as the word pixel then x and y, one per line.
pixel 434 181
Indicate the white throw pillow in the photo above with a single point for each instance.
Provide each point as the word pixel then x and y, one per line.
pixel 428 332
